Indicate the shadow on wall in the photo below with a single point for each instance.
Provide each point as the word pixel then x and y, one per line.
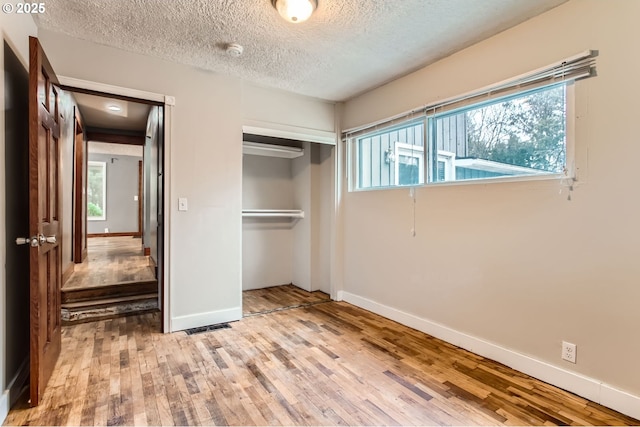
pixel 16 118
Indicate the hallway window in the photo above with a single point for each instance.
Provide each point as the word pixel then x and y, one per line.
pixel 97 191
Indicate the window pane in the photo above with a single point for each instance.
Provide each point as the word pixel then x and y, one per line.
pixel 391 157
pixel 523 135
pixel 96 191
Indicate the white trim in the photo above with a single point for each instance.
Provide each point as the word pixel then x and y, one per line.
pixel 203 319
pixel 587 387
pixel 449 160
pixel 166 266
pixel 114 90
pixel 277 130
pixel 620 400
pixel 4 406
pixel 17 383
pixel 497 167
pixel 411 151
pixel 169 102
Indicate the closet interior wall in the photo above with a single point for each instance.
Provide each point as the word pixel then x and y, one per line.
pixel 282 250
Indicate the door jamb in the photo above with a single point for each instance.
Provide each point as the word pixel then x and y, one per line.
pixel 78 239
pixel 168 102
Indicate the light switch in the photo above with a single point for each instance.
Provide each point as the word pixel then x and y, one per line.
pixel 182 204
pixel 135 198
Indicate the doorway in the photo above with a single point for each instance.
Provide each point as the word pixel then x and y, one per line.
pixel 117 201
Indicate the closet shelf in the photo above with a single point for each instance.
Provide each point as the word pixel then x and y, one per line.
pixel 270 150
pixel 272 213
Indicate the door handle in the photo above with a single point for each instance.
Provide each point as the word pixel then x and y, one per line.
pixel 47 239
pixel 36 241
pixel 33 241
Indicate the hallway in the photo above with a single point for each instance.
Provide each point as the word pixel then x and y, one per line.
pixel 111 260
pixel 115 280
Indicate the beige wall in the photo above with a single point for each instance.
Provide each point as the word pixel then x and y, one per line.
pixel 516 264
pixel 322 212
pixel 206 163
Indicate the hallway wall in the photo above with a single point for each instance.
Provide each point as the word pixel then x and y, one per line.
pixel 122 186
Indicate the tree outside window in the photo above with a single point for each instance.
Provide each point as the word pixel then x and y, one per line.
pixel 97 191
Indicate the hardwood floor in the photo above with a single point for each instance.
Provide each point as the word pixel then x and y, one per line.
pixel 324 364
pixel 266 300
pixel 111 260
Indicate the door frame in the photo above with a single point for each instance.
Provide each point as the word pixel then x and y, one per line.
pixel 79 239
pixel 168 102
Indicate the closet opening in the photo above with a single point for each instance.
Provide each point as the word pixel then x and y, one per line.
pixel 287 213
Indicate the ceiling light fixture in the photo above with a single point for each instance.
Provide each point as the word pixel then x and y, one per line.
pixel 295 11
pixel 113 108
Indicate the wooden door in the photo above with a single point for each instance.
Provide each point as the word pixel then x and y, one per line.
pixel 45 274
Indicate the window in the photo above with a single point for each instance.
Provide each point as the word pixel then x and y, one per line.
pixel 521 135
pixel 97 191
pixel 390 157
pixel 514 128
pixel 409 164
pixel 445 166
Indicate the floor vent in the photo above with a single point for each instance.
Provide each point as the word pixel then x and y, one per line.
pixel 208 328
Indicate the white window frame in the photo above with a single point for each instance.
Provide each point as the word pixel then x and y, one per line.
pixel 530 175
pixel 449 160
pixel 408 150
pixel 103 166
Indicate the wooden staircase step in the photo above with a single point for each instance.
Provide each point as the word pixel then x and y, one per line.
pixel 109 291
pixel 108 308
pixel 104 302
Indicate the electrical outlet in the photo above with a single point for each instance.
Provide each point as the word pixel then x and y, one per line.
pixel 568 352
pixel 106 230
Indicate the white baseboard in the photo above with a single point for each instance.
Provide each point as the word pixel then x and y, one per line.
pixel 204 319
pixel 4 406
pixel 584 386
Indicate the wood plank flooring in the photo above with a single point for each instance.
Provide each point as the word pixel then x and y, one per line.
pixel 277 298
pixel 324 364
pixel 111 260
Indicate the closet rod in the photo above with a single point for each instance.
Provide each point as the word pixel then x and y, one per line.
pixel 273 213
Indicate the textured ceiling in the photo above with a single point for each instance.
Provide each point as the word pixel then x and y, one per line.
pixel 345 48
